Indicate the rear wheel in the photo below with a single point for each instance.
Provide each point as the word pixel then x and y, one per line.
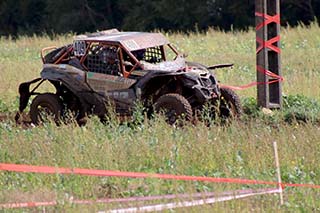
pixel 230 105
pixel 45 107
pixel 174 107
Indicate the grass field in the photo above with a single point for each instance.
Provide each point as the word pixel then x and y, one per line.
pixel 242 149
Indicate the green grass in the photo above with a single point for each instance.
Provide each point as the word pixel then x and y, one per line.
pixel 242 149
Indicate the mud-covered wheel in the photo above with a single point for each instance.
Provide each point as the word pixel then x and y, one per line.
pixel 174 107
pixel 45 107
pixel 230 105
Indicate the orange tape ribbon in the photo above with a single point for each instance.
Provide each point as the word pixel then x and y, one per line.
pixel 270 44
pixel 108 173
pixel 268 19
pixel 277 78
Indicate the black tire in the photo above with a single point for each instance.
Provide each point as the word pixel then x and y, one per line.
pixel 230 105
pixel 46 106
pixel 174 106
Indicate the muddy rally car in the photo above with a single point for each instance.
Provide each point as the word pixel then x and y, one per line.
pixel 119 69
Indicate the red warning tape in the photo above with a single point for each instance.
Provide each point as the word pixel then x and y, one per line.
pixel 27 204
pixel 277 78
pixel 270 44
pixel 140 199
pixel 268 19
pixel 184 204
pixel 107 173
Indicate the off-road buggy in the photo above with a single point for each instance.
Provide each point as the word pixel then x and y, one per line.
pixel 118 69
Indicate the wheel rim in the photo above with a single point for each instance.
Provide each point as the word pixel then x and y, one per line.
pixel 45 113
pixel 171 115
pixel 225 112
pixel 227 109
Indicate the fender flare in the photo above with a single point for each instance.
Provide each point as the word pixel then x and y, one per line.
pixel 74 79
pixel 151 77
pixel 25 93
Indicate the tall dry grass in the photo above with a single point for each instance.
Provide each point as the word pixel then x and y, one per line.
pixel 242 149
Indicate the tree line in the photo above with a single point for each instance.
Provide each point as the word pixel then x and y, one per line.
pixel 29 17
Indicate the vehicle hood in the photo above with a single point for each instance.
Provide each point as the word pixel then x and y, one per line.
pixel 178 65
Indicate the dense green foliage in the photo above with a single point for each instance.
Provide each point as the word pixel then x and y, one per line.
pixel 296 108
pixel 60 16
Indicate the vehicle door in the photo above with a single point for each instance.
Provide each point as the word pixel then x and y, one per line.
pixel 105 72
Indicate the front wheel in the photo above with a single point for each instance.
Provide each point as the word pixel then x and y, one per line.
pixel 44 107
pixel 174 107
pixel 230 105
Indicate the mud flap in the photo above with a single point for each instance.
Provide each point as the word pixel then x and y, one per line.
pixel 24 92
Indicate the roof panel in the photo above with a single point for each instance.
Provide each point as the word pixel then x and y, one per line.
pixel 130 40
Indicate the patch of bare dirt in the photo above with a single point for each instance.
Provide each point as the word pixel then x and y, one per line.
pixel 4 117
pixel 23 121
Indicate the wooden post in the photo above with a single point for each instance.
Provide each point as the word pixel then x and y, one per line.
pixel 269 94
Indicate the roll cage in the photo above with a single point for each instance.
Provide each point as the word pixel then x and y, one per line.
pixel 100 56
